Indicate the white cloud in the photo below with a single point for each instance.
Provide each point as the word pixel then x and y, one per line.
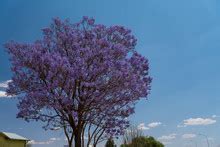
pixel 54 139
pixel 4 84
pixel 168 137
pixel 214 116
pixel 50 141
pixel 198 121
pixel 154 124
pixel 40 142
pixel 85 137
pixel 4 95
pixel 142 126
pixel 188 136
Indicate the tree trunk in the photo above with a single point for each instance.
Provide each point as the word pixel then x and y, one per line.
pixel 78 141
pixel 70 143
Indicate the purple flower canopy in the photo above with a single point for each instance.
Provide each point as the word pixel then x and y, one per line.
pixel 82 73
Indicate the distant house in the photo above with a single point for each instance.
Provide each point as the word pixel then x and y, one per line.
pixel 12 140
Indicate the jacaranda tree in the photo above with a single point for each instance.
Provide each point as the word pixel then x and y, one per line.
pixel 84 78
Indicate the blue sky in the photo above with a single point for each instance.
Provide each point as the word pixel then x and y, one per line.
pixel 181 39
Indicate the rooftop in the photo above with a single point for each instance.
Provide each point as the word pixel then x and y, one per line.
pixel 13 136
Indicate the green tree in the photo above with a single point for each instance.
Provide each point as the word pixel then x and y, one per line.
pixel 110 143
pixel 143 141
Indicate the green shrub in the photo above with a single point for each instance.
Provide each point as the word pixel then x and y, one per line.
pixel 143 141
pixel 110 143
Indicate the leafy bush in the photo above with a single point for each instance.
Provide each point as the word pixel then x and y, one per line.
pixel 143 141
pixel 110 143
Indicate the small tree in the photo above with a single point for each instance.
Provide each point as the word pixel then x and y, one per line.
pixel 84 78
pixel 131 133
pixel 143 141
pixel 134 137
pixel 29 145
pixel 110 143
